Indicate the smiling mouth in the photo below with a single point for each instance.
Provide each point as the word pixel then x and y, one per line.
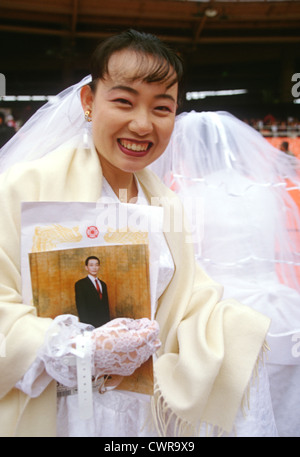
pixel 134 148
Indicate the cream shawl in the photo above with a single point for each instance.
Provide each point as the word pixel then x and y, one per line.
pixel 209 347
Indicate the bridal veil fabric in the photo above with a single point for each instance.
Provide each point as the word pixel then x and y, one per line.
pixel 57 121
pixel 242 198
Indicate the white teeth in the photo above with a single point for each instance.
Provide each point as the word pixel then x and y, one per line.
pixel 134 146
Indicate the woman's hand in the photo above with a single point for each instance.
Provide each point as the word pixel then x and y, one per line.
pixel 122 345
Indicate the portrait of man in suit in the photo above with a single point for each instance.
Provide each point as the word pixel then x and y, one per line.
pixel 91 295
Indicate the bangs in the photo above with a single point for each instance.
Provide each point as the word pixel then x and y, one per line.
pixel 154 69
pixel 149 68
pixel 156 62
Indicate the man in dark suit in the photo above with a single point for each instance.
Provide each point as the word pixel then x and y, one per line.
pixel 91 296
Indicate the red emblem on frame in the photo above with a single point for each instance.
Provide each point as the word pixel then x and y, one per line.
pixel 92 232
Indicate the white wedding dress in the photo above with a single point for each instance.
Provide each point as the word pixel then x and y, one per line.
pixel 128 414
pixel 231 254
pixel 229 182
pixel 119 413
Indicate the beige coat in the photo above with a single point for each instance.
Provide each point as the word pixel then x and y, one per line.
pixel 209 347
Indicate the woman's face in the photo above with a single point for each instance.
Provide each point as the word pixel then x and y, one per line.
pixel 132 120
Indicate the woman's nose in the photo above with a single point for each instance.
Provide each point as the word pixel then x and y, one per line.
pixel 141 123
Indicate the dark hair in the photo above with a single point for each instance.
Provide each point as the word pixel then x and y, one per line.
pixel 285 145
pixel 91 257
pixel 167 65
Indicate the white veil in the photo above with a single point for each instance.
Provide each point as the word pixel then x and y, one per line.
pixel 57 121
pixel 215 157
pixel 237 188
pixel 244 190
pixel 243 199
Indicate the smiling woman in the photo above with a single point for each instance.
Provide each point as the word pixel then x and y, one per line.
pixel 99 137
pixel 136 117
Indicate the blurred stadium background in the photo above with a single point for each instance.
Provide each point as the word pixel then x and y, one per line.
pixel 240 56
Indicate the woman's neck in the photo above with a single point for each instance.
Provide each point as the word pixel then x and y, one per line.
pixel 122 183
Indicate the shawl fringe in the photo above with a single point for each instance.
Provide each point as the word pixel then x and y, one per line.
pixel 168 423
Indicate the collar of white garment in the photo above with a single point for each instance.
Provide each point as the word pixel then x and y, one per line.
pixel 108 192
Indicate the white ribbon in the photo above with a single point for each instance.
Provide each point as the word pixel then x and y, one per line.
pixel 228 154
pixel 84 375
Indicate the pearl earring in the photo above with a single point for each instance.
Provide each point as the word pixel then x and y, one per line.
pixel 87 116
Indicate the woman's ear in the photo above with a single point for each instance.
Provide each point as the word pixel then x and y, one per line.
pixel 86 97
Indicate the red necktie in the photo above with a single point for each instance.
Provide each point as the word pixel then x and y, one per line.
pixel 98 289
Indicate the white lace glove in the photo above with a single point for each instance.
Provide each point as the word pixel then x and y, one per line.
pixel 118 347
pixel 58 352
pixel 122 345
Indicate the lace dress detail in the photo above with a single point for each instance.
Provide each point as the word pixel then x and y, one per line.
pixel 122 345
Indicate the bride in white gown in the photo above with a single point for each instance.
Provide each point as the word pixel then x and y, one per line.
pixel 209 361
pixel 125 413
pixel 235 188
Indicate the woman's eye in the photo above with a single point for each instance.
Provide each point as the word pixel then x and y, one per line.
pixel 164 109
pixel 123 101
